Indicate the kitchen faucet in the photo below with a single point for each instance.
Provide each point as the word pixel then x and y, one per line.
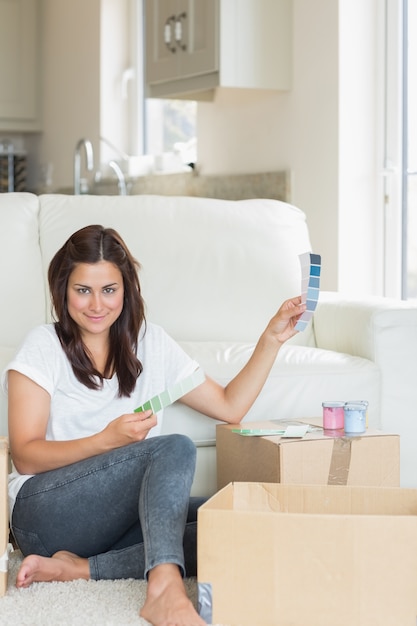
pixel 120 178
pixel 88 146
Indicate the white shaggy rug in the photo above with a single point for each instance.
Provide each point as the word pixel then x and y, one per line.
pixel 77 603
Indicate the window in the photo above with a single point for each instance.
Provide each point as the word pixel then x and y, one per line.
pixel 170 127
pixel 400 151
pixel 163 127
pixel 409 169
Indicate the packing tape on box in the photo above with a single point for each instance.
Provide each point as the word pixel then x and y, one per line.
pixel 174 393
pixel 340 461
pixel 4 559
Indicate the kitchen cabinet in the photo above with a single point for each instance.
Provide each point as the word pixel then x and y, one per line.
pixel 194 46
pixel 19 70
pixel 180 42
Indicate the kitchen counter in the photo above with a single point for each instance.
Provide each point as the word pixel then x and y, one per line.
pixel 272 185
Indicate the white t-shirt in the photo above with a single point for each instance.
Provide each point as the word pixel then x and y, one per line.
pixel 77 411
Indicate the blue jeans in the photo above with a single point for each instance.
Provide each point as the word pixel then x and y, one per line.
pixel 127 510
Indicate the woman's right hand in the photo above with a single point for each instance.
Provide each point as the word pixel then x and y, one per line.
pixel 32 453
pixel 129 428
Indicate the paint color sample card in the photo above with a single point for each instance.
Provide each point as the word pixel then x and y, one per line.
pixel 167 397
pixel 310 286
pixel 293 431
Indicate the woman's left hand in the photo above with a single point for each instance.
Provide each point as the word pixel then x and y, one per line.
pixel 282 325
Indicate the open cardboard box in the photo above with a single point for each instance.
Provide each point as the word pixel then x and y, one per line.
pixel 371 459
pixel 4 518
pixel 274 555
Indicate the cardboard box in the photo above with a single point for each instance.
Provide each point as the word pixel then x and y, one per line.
pixel 317 555
pixel 4 517
pixel 372 459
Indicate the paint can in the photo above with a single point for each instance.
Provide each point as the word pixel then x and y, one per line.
pixel 333 415
pixel 355 417
pixel 365 403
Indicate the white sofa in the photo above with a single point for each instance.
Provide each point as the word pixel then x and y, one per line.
pixel 213 273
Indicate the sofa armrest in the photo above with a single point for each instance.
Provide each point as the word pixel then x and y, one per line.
pixel 384 331
pixel 370 328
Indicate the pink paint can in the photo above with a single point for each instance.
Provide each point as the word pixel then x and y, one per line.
pixel 333 415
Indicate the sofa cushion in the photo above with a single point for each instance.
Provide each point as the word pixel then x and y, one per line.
pixel 300 380
pixel 22 304
pixel 255 243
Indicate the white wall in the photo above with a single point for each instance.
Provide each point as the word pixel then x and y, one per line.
pixel 114 83
pixel 359 204
pixel 298 130
pixel 323 130
pixel 70 81
pixel 85 50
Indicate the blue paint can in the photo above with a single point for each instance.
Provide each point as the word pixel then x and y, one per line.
pixel 355 417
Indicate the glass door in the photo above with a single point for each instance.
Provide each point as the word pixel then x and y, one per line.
pixel 399 257
pixel 409 136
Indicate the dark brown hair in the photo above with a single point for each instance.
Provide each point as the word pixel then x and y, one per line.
pixel 91 245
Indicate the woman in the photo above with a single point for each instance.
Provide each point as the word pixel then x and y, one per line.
pixel 93 492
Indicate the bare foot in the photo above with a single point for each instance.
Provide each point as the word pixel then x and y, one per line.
pixel 167 603
pixel 62 566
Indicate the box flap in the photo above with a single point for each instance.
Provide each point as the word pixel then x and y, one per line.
pixel 256 496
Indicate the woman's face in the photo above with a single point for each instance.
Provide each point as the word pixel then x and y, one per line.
pixel 95 297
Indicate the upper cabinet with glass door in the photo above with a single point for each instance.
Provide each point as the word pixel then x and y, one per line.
pixel 19 46
pixel 194 46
